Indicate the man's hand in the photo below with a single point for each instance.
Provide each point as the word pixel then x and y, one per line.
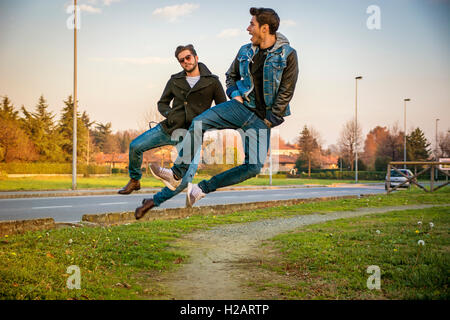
pixel 239 98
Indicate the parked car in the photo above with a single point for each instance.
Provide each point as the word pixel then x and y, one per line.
pixel 397 178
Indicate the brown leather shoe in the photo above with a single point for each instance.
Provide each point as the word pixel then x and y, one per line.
pixel 147 204
pixel 130 187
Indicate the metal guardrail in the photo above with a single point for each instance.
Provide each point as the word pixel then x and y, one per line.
pixel 413 179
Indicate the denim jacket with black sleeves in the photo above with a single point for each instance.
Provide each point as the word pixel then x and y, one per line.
pixel 278 85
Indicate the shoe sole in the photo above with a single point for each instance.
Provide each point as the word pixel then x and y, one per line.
pixel 189 189
pixel 166 183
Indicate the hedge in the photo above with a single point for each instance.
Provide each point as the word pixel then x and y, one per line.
pixel 50 168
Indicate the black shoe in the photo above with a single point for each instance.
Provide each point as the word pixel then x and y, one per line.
pixel 147 204
pixel 130 187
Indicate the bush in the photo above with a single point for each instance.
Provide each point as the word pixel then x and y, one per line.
pixel 50 168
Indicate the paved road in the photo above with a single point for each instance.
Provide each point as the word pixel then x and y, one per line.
pixel 71 209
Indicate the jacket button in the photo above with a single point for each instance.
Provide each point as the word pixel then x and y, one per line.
pixel 185 103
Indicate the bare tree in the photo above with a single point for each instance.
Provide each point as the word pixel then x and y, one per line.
pixel 443 145
pixel 151 115
pixel 346 143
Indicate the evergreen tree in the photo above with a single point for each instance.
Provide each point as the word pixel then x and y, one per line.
pixel 42 131
pixel 417 146
pixel 65 129
pixel 7 111
pixel 102 136
pixel 308 146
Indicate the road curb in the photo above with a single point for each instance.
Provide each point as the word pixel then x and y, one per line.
pixel 108 219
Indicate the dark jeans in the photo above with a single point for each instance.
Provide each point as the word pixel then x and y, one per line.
pixel 228 115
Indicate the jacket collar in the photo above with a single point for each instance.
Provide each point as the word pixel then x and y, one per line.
pixel 281 41
pixel 204 72
pixel 206 78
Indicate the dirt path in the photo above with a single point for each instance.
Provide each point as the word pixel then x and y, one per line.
pixel 224 259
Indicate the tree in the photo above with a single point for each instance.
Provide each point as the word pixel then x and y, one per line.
pixel 417 146
pixel 374 138
pixel 124 139
pixel 7 110
pixel 65 129
pixel 101 135
pixel 349 135
pixel 390 148
pixel 90 140
pixel 14 142
pixel 392 145
pixel 40 128
pixel 443 145
pixel 309 147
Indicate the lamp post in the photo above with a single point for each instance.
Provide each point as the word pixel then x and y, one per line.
pixel 75 119
pixel 437 146
pixel 356 128
pixel 404 138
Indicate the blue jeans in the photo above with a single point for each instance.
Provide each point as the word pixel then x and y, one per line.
pixel 228 115
pixel 153 138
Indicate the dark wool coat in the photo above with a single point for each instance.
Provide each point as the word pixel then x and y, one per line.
pixel 187 102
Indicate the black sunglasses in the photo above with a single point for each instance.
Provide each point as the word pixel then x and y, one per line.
pixel 187 58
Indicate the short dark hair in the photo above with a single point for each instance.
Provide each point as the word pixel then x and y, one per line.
pixel 266 16
pixel 189 47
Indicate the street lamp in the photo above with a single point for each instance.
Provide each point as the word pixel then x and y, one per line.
pixel 356 128
pixel 404 140
pixel 75 119
pixel 437 146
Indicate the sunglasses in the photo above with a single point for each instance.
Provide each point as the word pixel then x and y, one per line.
pixel 187 58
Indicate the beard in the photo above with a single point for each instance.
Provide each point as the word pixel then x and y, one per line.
pixel 190 68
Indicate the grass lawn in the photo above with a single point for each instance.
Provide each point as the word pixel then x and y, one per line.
pixel 121 262
pixel 118 181
pixel 330 260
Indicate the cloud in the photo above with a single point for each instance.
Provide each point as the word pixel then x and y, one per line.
pixel 230 33
pixel 288 23
pixel 138 61
pixel 108 2
pixel 172 13
pixel 90 9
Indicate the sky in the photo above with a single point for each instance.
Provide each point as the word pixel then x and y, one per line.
pixel 126 56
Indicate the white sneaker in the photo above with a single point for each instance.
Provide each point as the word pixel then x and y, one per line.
pixel 193 194
pixel 165 175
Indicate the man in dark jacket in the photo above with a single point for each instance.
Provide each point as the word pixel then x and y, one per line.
pixel 260 82
pixel 191 92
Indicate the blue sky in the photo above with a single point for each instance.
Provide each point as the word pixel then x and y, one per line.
pixel 126 47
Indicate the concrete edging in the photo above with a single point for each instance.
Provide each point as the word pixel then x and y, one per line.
pixel 108 219
pixel 22 226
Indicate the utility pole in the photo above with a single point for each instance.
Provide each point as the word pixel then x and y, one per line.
pixel 356 128
pixel 75 119
pixel 437 145
pixel 404 139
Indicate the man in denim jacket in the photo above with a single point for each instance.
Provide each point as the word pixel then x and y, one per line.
pixel 261 83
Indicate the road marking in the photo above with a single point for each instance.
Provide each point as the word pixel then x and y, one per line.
pixel 52 207
pixel 111 203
